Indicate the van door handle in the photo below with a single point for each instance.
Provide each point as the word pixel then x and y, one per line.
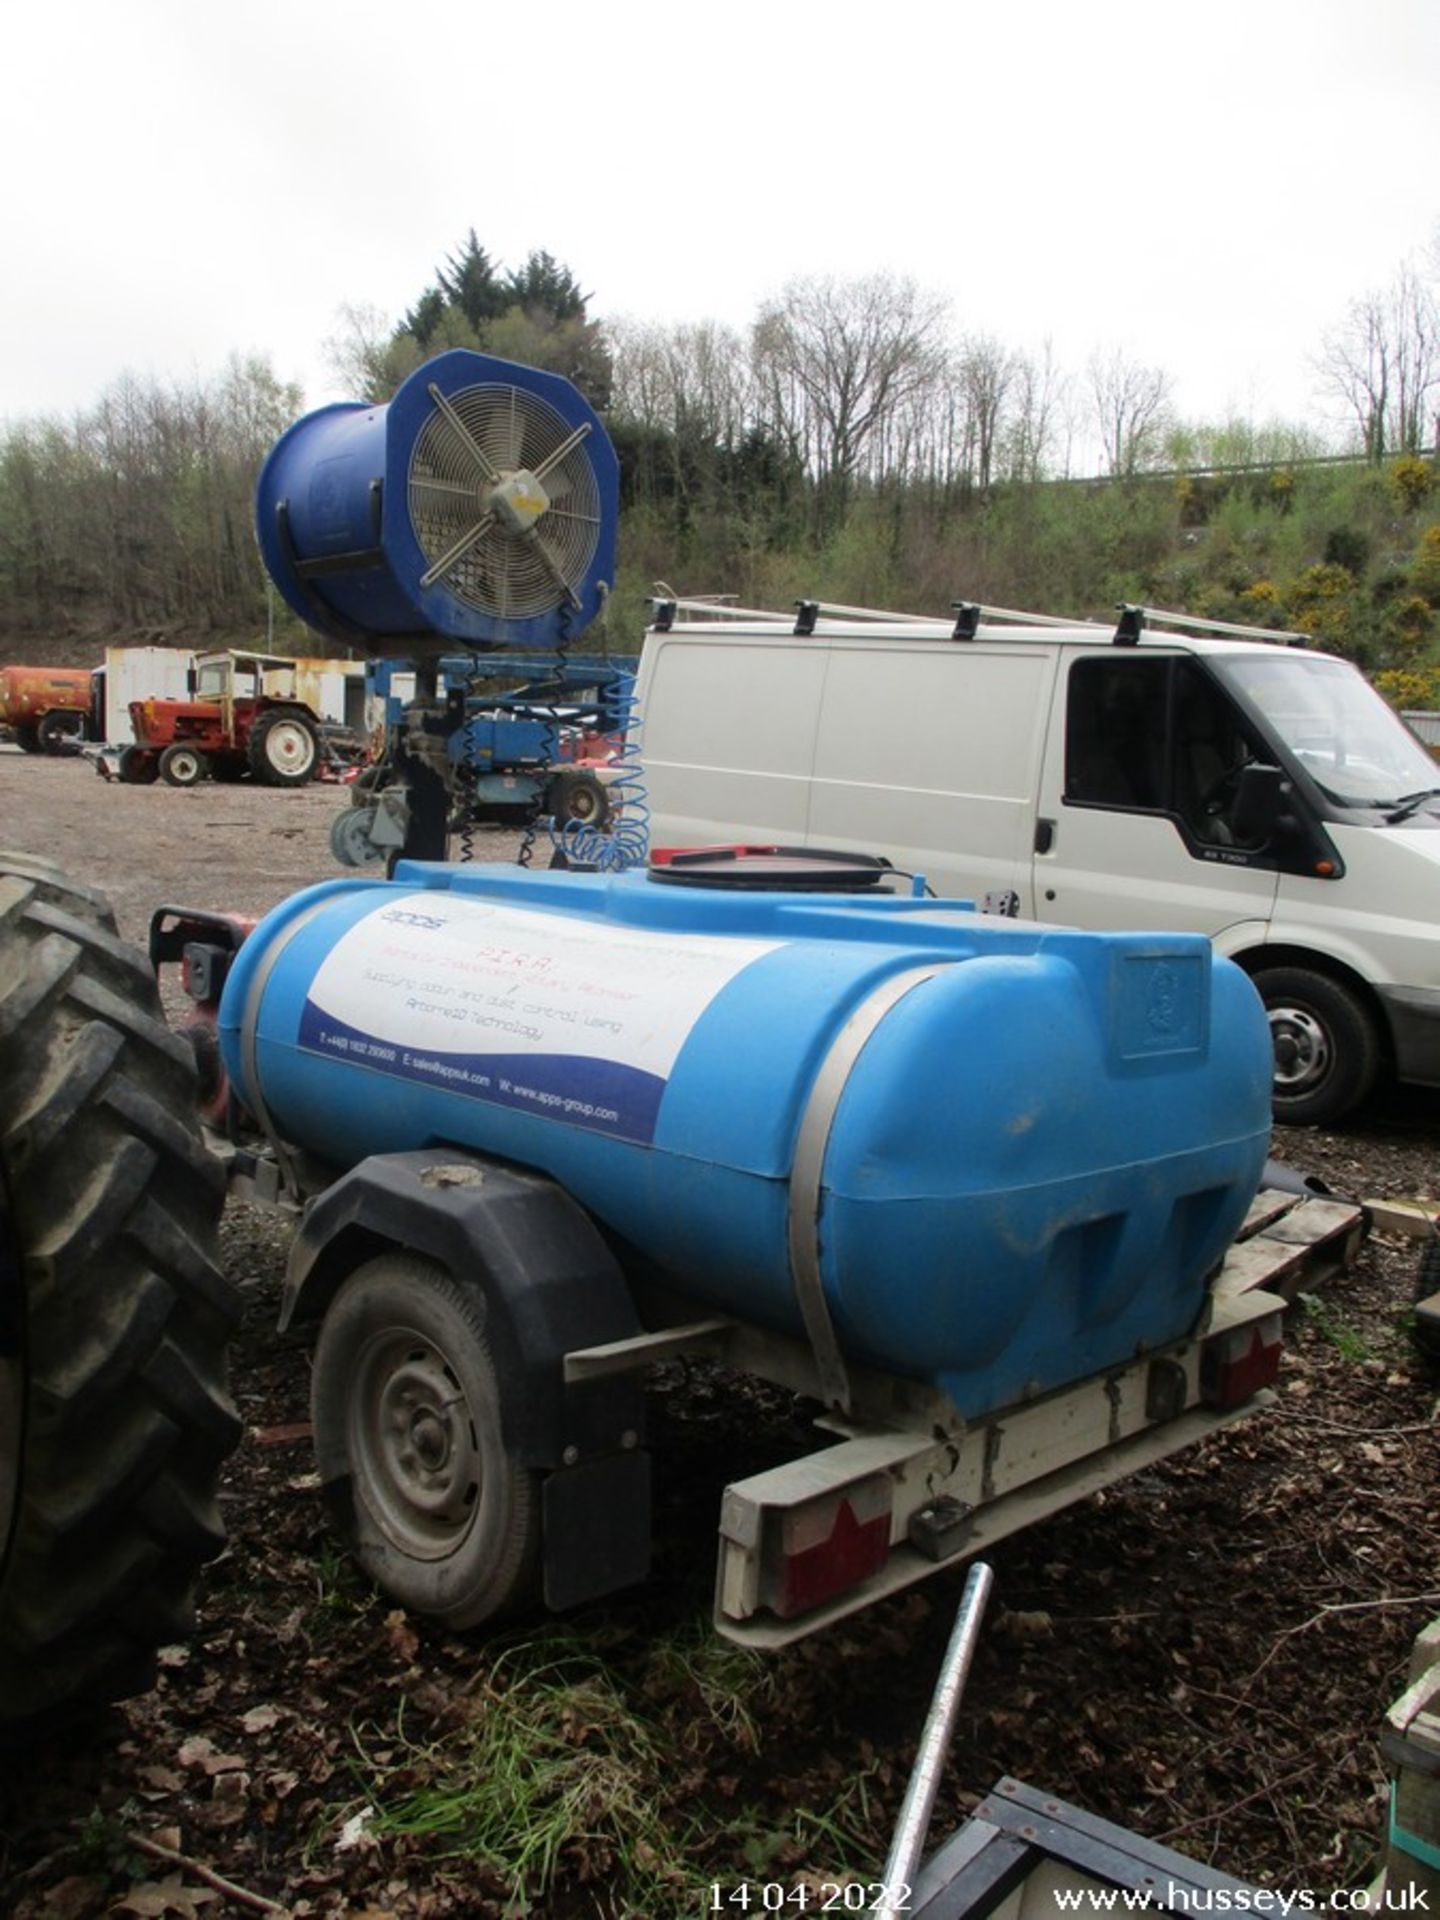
pixel 1044 835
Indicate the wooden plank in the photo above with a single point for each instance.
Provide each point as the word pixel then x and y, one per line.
pixel 1404 1216
pixel 1302 1247
pixel 1269 1204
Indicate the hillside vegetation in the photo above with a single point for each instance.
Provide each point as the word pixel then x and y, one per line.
pixel 851 447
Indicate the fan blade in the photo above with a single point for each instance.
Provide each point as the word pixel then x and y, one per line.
pixel 458 551
pixel 467 439
pixel 566 446
pixel 551 566
pixel 503 433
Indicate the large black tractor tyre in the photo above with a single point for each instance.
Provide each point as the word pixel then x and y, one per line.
pixel 1427 1300
pixel 114 1318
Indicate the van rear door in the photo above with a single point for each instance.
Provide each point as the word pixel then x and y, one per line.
pixel 1136 802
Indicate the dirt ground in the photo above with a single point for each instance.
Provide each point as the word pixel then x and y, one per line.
pixel 1203 1653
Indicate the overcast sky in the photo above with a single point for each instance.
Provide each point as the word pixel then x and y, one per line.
pixel 1205 186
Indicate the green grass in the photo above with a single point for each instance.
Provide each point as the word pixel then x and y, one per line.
pixel 600 1760
pixel 1333 1327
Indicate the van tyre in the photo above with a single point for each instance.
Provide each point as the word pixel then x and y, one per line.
pixel 284 751
pixel 114 1319
pixel 409 1441
pixel 1327 1049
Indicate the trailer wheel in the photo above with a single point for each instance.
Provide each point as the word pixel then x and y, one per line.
pixel 182 766
pixel 114 1319
pixel 579 797
pixel 55 729
pixel 27 737
pixel 409 1441
pixel 1327 1050
pixel 283 750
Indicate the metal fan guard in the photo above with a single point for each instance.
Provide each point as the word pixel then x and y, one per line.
pixel 503 574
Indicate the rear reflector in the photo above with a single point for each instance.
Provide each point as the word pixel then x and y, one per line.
pixel 1235 1365
pixel 813 1551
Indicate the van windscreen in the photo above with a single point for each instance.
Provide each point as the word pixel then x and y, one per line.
pixel 1335 726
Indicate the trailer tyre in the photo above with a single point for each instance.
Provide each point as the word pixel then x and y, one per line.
pixel 114 1319
pixel 1327 1050
pixel 27 737
pixel 182 766
pixel 409 1441
pixel 54 731
pixel 284 751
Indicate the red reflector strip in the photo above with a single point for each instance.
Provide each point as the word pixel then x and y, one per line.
pixel 800 1571
pixel 1236 1365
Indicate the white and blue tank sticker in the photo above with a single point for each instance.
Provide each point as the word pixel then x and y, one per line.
pixel 575 1019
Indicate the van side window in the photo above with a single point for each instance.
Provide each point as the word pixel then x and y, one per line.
pixel 1115 729
pixel 1159 736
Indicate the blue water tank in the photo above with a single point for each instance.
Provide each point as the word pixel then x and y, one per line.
pixel 1029 1147
pixel 478 507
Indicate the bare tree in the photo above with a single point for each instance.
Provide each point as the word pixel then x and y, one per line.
pixel 1382 362
pixel 836 361
pixel 1130 402
pixel 1037 414
pixel 987 374
pixel 357 354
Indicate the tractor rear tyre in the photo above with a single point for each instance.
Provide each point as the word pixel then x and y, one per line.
pixel 114 1319
pixel 284 751
pixel 182 766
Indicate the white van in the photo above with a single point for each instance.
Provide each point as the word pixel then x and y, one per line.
pixel 1261 793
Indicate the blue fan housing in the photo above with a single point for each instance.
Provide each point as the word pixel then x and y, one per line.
pixel 479 507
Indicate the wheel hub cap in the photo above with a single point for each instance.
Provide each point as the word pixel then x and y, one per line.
pixel 415 1443
pixel 1302 1048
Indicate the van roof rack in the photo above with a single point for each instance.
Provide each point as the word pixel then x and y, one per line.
pixel 722 607
pixel 968 616
pixel 1133 620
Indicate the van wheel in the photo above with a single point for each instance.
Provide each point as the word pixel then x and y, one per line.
pixel 1327 1049
pixel 409 1440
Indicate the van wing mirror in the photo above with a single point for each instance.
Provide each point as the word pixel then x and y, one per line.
pixel 1260 796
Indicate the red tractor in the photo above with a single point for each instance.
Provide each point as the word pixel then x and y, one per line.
pixel 244 717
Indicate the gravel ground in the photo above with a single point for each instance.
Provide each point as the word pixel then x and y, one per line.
pixel 1203 1653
